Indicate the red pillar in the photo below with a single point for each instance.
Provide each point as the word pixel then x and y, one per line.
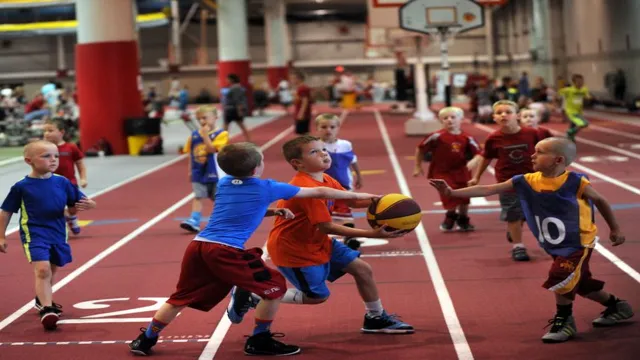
pixel 277 74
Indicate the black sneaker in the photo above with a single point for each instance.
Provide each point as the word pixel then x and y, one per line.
pixel 241 302
pixel 519 254
pixel 464 224
pixel 352 243
pixel 142 344
pixel 49 317
pixel 449 221
pixel 265 344
pixel 57 307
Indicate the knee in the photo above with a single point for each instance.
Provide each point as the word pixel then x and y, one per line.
pixel 43 272
pixel 362 270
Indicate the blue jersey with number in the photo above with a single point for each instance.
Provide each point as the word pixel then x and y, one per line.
pixel 556 212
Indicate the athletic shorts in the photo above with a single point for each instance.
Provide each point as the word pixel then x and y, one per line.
pixel 570 275
pixel 57 254
pixel 302 126
pixel 204 190
pixel 511 210
pixel 231 115
pixel 577 119
pixel 209 271
pixel 312 280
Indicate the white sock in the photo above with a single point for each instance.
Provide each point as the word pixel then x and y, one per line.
pixel 293 296
pixel 374 308
pixel 73 219
pixel 521 245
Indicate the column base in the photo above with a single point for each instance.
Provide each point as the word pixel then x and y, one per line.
pixel 276 74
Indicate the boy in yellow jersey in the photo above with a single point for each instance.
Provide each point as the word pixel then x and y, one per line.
pixel 558 207
pixel 574 97
pixel 202 147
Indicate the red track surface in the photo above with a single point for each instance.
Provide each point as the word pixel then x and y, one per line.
pixel 500 304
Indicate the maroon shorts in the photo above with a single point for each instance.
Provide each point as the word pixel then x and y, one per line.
pixel 341 210
pixel 570 275
pixel 451 203
pixel 210 270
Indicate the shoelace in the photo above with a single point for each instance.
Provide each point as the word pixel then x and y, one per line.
pixel 557 322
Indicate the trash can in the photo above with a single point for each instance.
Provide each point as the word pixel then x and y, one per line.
pixel 138 132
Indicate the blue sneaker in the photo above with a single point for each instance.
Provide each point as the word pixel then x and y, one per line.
pixel 190 225
pixel 241 302
pixel 385 324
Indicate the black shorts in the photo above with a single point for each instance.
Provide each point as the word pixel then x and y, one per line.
pixel 511 210
pixel 302 126
pixel 231 115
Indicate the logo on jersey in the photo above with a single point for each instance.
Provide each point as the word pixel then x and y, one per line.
pixel 517 153
pixel 567 266
pixel 236 182
pixel 456 147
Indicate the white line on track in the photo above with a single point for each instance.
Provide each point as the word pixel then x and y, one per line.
pixel 86 266
pixel 462 348
pixel 634 274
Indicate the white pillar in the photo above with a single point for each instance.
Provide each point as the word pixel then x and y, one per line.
pixel 233 31
pixel 62 63
pixel 99 23
pixel 175 32
pixel 490 39
pixel 275 26
pixel 540 38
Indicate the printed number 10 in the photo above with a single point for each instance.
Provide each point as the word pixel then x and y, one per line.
pixel 543 230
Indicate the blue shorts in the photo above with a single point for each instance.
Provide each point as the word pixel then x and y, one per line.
pixel 56 254
pixel 312 280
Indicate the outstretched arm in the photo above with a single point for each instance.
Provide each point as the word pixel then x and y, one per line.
pixel 472 191
pixel 329 193
pixel 607 213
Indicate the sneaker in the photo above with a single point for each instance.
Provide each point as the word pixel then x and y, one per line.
pixel 49 317
pixel 190 225
pixel 57 307
pixel 385 324
pixel 449 221
pixel 352 243
pixel 241 302
pixel 519 254
pixel 464 224
pixel 264 344
pixel 562 329
pixel 75 229
pixel 142 344
pixel 614 314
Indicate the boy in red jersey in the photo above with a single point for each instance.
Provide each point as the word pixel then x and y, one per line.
pixel 531 118
pixel 450 148
pixel 302 104
pixel 70 157
pixel 513 146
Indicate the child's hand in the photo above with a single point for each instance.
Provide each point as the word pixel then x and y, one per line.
pixel 285 213
pixel 85 204
pixel 388 232
pixel 204 130
pixel 83 183
pixel 616 238
pixel 358 182
pixel 441 186
pixel 3 245
pixel 417 171
pixel 472 182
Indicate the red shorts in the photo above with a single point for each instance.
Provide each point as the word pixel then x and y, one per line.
pixel 451 203
pixel 570 275
pixel 341 210
pixel 210 270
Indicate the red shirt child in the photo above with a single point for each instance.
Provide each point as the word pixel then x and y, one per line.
pixel 450 150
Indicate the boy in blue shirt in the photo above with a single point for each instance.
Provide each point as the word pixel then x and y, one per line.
pixel 202 147
pixel 41 198
pixel 558 207
pixel 216 260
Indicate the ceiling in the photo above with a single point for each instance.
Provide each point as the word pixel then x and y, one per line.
pixel 297 10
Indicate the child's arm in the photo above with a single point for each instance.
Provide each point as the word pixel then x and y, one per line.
pixel 607 213
pixel 484 163
pixel 472 191
pixel 284 212
pixel 82 171
pixel 381 232
pixel 5 217
pixel 204 133
pixel 417 170
pixel 82 205
pixel 329 193
pixel 358 179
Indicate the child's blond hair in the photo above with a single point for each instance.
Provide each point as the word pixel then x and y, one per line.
pixel 507 103
pixel 458 112
pixel 326 116
pixel 206 109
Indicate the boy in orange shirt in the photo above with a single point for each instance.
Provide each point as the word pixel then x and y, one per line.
pixel 305 254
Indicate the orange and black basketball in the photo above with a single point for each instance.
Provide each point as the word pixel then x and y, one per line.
pixel 397 211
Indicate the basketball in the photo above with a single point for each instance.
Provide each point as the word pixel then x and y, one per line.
pixel 397 211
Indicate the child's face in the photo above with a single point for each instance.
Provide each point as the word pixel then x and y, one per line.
pixel 206 118
pixel 529 118
pixel 52 133
pixel 544 159
pixel 328 129
pixel 43 159
pixel 314 158
pixel 578 82
pixel 505 115
pixel 451 121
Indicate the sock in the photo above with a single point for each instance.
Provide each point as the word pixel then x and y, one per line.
pixel 293 296
pixel 521 245
pixel 564 310
pixel 374 308
pixel 262 326
pixel 611 301
pixel 196 216
pixel 154 328
pixel 73 219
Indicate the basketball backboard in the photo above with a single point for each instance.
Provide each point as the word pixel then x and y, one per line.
pixel 431 16
pixel 384 37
